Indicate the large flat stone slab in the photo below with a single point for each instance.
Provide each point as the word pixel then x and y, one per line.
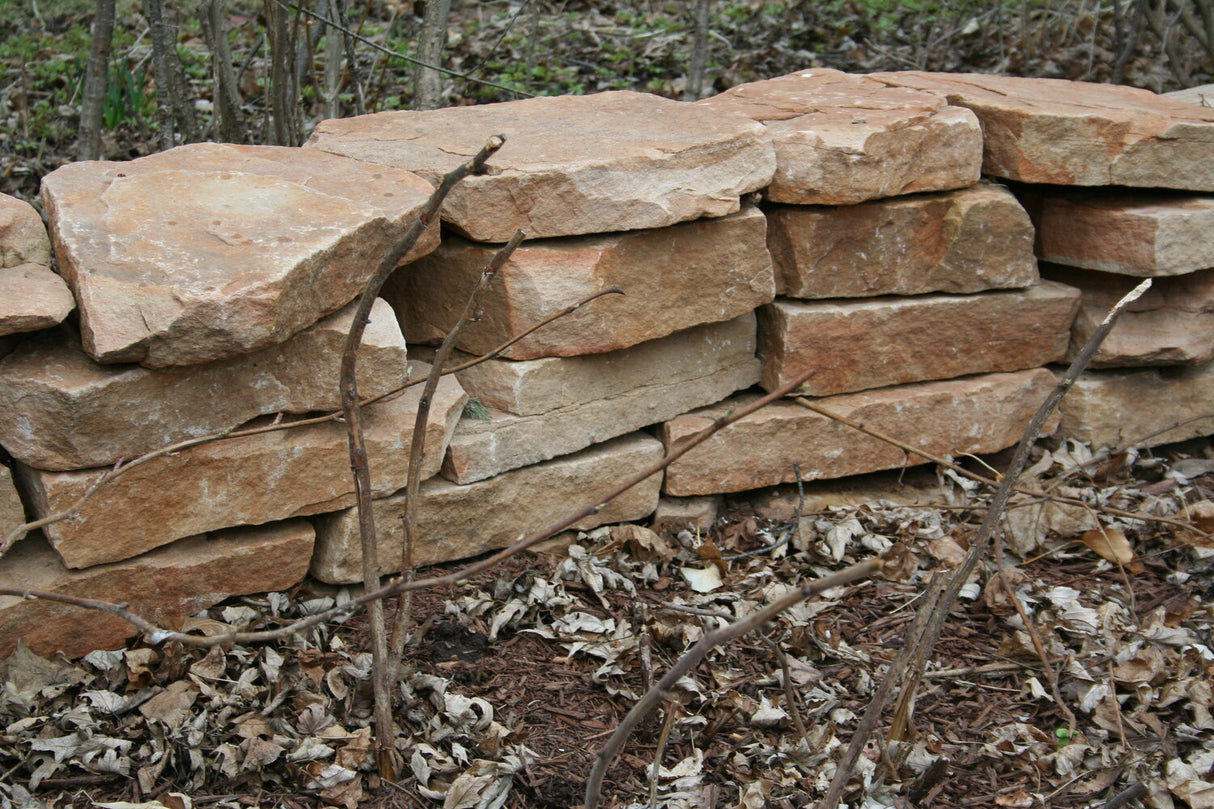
pixel 164 585
pixel 1141 233
pixel 842 139
pixel 959 242
pixel 60 409
pixel 1079 133
pixel 210 250
pixel 1140 407
pixel 625 391
pixel 571 164
pixel 977 414
pixel 241 481
pixel 32 297
pixel 674 278
pixel 1172 323
pixel 456 522
pixel 874 343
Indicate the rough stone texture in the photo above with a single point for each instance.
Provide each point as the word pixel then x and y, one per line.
pixel 624 391
pixel 61 410
pixel 164 586
pixel 571 164
pixel 243 481
pixel 676 514
pixel 533 387
pixel 674 278
pixel 210 250
pixel 1202 95
pixel 977 414
pixel 32 297
pixel 12 512
pixel 1079 133
pixel 1171 324
pixel 456 522
pixel 1141 407
pixel 842 139
pixel 962 241
pixel 23 238
pixel 860 344
pixel 1140 233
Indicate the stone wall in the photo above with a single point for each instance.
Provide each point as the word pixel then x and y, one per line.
pixel 930 247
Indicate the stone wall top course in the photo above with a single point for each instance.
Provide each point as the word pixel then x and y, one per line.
pixel 842 139
pixel 571 164
pixel 210 250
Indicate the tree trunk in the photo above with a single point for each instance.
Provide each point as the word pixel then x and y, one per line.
pixel 699 54
pixel 96 76
pixel 227 93
pixel 427 82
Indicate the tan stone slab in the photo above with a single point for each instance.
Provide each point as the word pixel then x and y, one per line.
pixel 164 585
pixel 12 512
pixel 32 297
pixel 23 238
pixel 243 481
pixel 1140 407
pixel 976 415
pixel 1172 323
pixel 1143 233
pixel 676 514
pixel 697 368
pixel 211 250
pixel 456 522
pixel 876 342
pixel 61 410
pixel 674 278
pixel 1079 133
pixel 960 242
pixel 1202 95
pixel 571 164
pixel 842 139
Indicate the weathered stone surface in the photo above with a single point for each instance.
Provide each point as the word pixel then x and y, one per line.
pixel 456 522
pixel 1078 133
pixel 1141 407
pixel 61 410
pixel 210 250
pixel 533 387
pixel 624 391
pixel 12 512
pixel 901 487
pixel 674 278
pixel 571 164
pixel 32 297
pixel 962 241
pixel 842 139
pixel 977 414
pixel 1172 323
pixel 241 481
pixel 164 586
pixel 861 344
pixel 676 514
pixel 1202 95
pixel 23 238
pixel 1139 233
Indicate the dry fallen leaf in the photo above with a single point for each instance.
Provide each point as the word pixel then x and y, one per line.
pixel 1111 544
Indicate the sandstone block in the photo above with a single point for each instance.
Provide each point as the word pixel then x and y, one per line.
pixel 210 250
pixel 571 164
pixel 59 409
pixel 23 238
pixel 456 522
pixel 1202 95
pixel 842 139
pixel 1078 133
pixel 1172 323
pixel 164 585
pixel 960 242
pixel 976 414
pixel 699 272
pixel 241 481
pixel 873 343
pixel 1139 233
pixel 12 512
pixel 675 514
pixel 32 297
pixel 1140 407
pixel 626 390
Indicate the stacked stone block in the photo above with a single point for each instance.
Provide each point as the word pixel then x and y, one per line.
pixel 819 222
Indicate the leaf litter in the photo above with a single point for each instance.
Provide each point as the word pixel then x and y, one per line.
pixel 514 680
